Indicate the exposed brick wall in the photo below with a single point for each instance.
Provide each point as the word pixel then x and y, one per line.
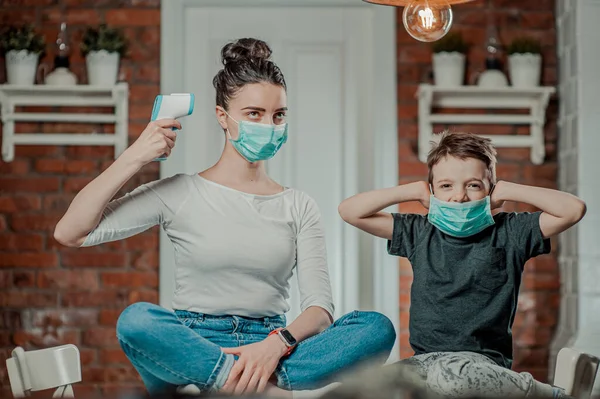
pixel 50 294
pixel 539 300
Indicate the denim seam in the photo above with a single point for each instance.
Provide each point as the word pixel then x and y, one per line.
pixel 355 315
pixel 215 374
pixel 282 377
pixel 192 321
pixel 352 315
pixel 194 381
pixel 185 314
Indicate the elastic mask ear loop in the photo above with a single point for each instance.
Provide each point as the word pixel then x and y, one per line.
pixel 491 190
pixel 227 130
pixel 431 190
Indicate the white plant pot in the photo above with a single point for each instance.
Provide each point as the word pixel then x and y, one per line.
pixel 102 67
pixel 525 69
pixel 448 69
pixel 21 67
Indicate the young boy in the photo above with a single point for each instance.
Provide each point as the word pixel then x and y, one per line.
pixel 467 263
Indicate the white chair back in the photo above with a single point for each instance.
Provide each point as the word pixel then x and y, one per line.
pixel 38 370
pixel 575 372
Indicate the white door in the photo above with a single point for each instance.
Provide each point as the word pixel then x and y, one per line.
pixel 342 119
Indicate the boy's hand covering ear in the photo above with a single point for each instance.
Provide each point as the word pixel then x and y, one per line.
pixel 495 196
pixel 426 193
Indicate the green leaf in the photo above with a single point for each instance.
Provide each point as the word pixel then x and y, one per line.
pixel 522 45
pixel 106 38
pixel 20 38
pixel 452 41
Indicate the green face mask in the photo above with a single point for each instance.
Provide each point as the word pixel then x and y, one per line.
pixel 460 219
pixel 257 141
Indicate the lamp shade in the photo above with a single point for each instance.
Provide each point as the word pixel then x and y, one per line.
pixel 403 3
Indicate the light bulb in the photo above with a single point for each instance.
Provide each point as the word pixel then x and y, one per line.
pixel 427 21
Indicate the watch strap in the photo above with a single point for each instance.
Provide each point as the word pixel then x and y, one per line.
pixel 277 332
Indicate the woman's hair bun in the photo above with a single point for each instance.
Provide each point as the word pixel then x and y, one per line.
pixel 247 49
pixel 246 61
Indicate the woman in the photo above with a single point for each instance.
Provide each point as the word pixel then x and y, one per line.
pixel 237 236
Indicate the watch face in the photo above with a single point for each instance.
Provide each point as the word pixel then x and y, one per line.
pixel 288 337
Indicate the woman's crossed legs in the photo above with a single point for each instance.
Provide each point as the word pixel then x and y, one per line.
pixel 173 349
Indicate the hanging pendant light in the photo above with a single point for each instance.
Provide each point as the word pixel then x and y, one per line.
pixel 424 20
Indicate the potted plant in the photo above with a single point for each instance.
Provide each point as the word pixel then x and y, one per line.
pixel 449 60
pixel 525 62
pixel 22 48
pixel 103 48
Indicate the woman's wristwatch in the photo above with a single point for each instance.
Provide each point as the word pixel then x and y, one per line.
pixel 287 338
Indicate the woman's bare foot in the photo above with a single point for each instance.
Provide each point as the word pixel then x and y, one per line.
pixel 274 391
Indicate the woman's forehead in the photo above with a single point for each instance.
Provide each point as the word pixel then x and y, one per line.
pixel 263 95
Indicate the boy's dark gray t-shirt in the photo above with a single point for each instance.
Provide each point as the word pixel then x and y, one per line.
pixel 464 291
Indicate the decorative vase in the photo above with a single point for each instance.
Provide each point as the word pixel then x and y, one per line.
pixel 21 67
pixel 492 78
pixel 448 69
pixel 102 67
pixel 525 69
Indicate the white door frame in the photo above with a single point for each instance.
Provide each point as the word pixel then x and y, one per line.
pixel 384 127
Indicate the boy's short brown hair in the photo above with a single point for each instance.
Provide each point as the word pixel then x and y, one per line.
pixel 463 146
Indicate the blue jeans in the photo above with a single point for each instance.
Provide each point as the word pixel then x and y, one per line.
pixel 170 349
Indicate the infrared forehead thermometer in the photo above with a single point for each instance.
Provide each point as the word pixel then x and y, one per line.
pixel 172 106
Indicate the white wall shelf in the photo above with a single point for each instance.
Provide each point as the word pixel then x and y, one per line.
pixel 534 99
pixel 12 96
